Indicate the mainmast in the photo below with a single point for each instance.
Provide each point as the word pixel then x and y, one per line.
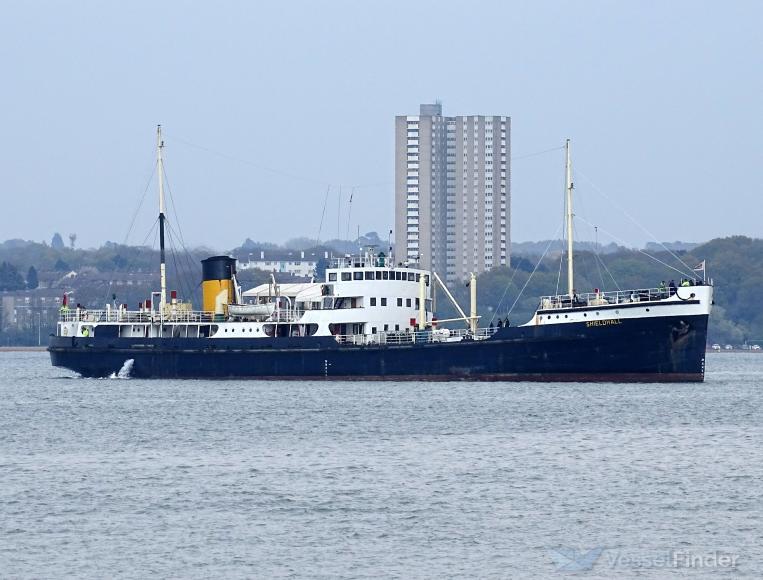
pixel 568 191
pixel 162 263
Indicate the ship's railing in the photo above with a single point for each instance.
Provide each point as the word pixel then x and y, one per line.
pixel 286 315
pixel 604 298
pixel 415 337
pixel 370 261
pixel 134 316
pixel 361 262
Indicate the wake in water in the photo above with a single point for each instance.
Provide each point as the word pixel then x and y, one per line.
pixel 124 372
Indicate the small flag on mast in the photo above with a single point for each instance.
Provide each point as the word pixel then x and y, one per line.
pixel 701 268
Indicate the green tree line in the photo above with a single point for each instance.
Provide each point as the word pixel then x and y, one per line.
pixel 735 265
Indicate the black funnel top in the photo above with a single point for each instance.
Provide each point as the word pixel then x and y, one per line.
pixel 218 268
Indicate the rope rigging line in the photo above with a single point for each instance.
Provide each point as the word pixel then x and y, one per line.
pixel 640 251
pixel 179 277
pixel 173 254
pixel 132 224
pixel 637 224
pixel 283 173
pixel 140 204
pixel 519 158
pixel 193 267
pixel 279 172
pixel 537 264
pixel 500 302
pixel 600 260
pixel 323 215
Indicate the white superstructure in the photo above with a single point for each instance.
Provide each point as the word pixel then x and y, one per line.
pixel 361 296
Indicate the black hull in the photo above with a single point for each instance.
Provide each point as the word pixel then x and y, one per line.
pixel 659 349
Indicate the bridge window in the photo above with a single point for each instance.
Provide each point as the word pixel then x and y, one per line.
pixel 346 276
pixel 369 275
pixel 379 274
pixel 411 277
pixel 332 276
pixel 385 275
pixel 357 275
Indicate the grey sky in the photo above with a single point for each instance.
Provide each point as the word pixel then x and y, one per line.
pixel 662 101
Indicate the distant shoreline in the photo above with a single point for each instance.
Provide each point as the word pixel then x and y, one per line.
pixel 22 348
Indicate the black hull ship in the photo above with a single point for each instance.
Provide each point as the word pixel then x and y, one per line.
pixel 372 319
pixel 660 349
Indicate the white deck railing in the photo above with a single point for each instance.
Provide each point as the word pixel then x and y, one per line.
pixel 418 336
pixel 604 298
pixel 136 316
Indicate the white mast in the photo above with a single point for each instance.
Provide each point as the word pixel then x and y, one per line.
pixel 160 172
pixel 568 190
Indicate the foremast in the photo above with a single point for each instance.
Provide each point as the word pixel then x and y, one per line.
pixel 568 210
pixel 162 260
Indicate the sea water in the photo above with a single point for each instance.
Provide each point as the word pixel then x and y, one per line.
pixel 127 478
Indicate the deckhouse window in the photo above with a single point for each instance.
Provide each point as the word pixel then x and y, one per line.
pixel 399 301
pixel 411 277
pixel 357 275
pixel 378 274
pixel 385 275
pixel 373 301
pixel 384 303
pixel 418 277
pixel 369 275
pixel 332 276
pixel 408 302
pixel 346 276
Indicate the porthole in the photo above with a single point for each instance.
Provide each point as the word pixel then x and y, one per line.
pixel 647 310
pixel 565 316
pixel 557 316
pixel 549 317
pixel 617 312
pixel 597 313
pixel 585 314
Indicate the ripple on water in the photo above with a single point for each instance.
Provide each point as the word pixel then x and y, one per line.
pixel 259 479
